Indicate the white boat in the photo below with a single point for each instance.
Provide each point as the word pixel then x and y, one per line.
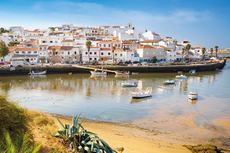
pixel 192 71
pixel 192 95
pixel 37 73
pixel 142 94
pixel 169 82
pixel 129 84
pixel 135 73
pixel 122 73
pixel 181 77
pixel 97 72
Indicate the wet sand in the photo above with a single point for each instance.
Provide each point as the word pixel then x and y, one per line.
pixel 161 134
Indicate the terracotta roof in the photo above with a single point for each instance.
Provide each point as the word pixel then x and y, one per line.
pixel 12 47
pixel 185 41
pixel 80 43
pixel 19 36
pixel 115 42
pixel 94 28
pixel 66 47
pixel 116 26
pixel 56 47
pixel 106 26
pixel 32 56
pixel 79 36
pixel 11 33
pixel 33 31
pixel 106 49
pixel 67 41
pixel 26 49
pixel 31 41
pixel 55 33
pixel 161 46
pixel 146 47
pixel 198 47
pixel 118 50
pixel 126 43
pixel 115 38
pixel 155 34
pixel 145 41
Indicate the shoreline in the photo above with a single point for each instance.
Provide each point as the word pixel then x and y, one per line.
pixel 66 69
pixel 166 134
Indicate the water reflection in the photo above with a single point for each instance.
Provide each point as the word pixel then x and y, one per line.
pixel 134 100
pixel 192 101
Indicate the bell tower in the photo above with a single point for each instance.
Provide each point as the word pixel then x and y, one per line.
pixel 130 25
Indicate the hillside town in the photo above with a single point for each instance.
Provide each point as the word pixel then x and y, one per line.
pixel 107 45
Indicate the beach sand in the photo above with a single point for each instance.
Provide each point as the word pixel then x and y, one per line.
pixel 166 134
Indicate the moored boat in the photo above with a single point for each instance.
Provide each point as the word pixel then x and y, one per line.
pixel 142 94
pixel 192 95
pixel 169 82
pixel 122 73
pixel 97 72
pixel 128 84
pixel 181 77
pixel 37 73
pixel 192 71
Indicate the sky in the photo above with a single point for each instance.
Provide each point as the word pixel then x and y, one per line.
pixel 204 23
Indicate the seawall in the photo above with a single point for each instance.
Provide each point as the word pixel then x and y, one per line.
pixel 141 69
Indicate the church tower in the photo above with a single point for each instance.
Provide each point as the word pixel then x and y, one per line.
pixel 130 25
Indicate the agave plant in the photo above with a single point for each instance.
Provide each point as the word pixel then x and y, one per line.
pixel 82 140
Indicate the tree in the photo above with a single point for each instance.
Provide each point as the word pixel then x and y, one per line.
pixel 188 46
pixel 88 45
pixel 182 52
pixel 113 48
pixel 42 59
pixel 154 59
pixel 216 50
pixel 4 50
pixel 53 29
pixel 211 50
pixel 203 50
pixel 53 53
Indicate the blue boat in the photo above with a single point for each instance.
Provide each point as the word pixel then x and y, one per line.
pixel 192 71
pixel 169 82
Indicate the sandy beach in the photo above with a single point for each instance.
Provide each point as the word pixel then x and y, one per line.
pixel 162 135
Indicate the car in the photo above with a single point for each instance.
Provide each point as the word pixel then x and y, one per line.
pixel 135 62
pixel 67 62
pixel 2 63
pixel 128 62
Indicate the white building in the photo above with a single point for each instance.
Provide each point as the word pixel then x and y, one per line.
pixel 151 35
pixel 94 54
pixel 147 52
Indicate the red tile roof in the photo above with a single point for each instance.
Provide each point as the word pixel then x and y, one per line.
pixel 146 47
pixel 26 49
pixel 67 41
pixel 146 41
pixel 56 47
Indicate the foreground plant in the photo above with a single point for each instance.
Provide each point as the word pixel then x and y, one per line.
pixel 22 145
pixel 82 140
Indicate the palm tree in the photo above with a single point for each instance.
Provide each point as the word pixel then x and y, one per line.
pixel 216 50
pixel 113 48
pixel 182 52
pixel 53 53
pixel 188 46
pixel 203 50
pixel 88 45
pixel 211 50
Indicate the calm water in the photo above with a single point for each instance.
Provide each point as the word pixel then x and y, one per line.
pixel 103 98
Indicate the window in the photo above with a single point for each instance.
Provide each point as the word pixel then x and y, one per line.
pixel 75 52
pixel 116 45
pixel 104 45
pixel 95 31
pixel 68 53
pixel 170 55
pixel 119 45
pixel 132 55
pixel 108 53
pixel 120 55
pixel 40 48
pixel 29 52
pixel 23 52
pixel 95 53
pixel 62 52
pixel 34 58
pixel 115 55
pixel 35 52
pixel 100 45
pixel 90 58
pixel 101 53
pixel 43 41
pixel 86 53
pixel 51 41
pixel 95 59
pixel 90 53
pixel 55 41
pixel 109 45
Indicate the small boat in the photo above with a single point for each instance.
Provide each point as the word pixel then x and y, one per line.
pixel 129 84
pixel 169 82
pixel 192 95
pixel 122 73
pixel 135 73
pixel 37 73
pixel 192 71
pixel 97 72
pixel 181 77
pixel 142 94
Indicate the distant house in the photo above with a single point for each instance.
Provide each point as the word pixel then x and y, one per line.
pixel 150 42
pixel 147 52
pixel 29 55
pixel 94 54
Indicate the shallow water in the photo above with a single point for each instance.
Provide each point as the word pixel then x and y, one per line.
pixel 103 98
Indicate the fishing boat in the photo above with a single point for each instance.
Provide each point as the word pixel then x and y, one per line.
pixel 135 73
pixel 181 77
pixel 169 82
pixel 192 95
pixel 142 94
pixel 97 72
pixel 192 71
pixel 122 73
pixel 128 84
pixel 37 73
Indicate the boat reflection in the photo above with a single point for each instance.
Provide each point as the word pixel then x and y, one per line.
pixel 140 100
pixel 121 76
pixel 37 76
pixel 192 102
pixel 98 77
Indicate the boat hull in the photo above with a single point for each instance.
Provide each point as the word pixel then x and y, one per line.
pixel 128 84
pixel 98 73
pixel 38 73
pixel 141 95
